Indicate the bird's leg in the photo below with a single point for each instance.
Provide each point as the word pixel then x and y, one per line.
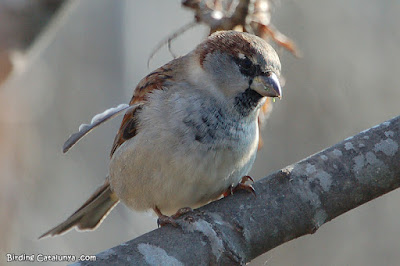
pixel 164 219
pixel 241 186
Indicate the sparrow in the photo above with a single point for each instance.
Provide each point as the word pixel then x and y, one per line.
pixel 189 134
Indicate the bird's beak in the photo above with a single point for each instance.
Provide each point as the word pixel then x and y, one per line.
pixel 267 85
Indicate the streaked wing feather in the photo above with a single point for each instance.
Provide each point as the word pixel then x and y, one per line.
pixel 127 129
pixel 98 119
pixel 154 81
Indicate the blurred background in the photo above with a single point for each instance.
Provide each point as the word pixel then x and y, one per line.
pixel 89 57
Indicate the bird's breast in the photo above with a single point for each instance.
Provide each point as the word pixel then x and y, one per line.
pixel 186 153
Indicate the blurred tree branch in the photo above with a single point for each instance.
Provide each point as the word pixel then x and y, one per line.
pixel 253 16
pixel 290 203
pixel 20 23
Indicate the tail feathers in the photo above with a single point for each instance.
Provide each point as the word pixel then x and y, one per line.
pixel 91 214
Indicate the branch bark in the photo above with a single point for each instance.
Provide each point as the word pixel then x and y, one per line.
pixel 290 203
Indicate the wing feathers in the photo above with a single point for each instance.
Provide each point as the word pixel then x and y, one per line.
pixel 127 129
pixel 96 121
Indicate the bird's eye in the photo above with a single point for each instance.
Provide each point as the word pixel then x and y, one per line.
pixel 246 63
pixel 246 67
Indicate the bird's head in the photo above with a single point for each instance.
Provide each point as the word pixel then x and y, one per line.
pixel 241 67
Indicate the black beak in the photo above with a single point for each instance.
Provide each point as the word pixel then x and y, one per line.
pixel 267 85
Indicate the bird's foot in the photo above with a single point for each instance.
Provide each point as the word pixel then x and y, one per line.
pixel 241 186
pixel 164 219
pixel 246 187
pixel 246 178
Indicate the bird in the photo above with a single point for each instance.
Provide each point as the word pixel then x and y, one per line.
pixel 189 134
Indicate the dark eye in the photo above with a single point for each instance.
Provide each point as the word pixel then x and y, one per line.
pixel 246 67
pixel 246 63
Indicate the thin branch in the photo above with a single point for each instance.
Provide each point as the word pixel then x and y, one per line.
pixel 290 203
pixel 169 39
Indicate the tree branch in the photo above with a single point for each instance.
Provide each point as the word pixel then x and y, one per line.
pixel 290 203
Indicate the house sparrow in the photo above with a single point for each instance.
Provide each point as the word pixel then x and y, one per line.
pixel 190 132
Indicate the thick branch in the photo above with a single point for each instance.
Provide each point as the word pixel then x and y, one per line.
pixel 290 203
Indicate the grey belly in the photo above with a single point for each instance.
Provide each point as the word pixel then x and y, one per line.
pixel 145 176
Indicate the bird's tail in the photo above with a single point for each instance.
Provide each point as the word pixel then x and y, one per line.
pixel 91 214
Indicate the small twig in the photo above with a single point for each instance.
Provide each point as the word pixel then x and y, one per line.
pixel 169 39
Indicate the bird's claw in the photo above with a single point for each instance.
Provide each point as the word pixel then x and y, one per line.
pixel 246 178
pixel 164 219
pixel 241 186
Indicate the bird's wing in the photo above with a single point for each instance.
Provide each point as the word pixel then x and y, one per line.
pixel 153 81
pixel 96 121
